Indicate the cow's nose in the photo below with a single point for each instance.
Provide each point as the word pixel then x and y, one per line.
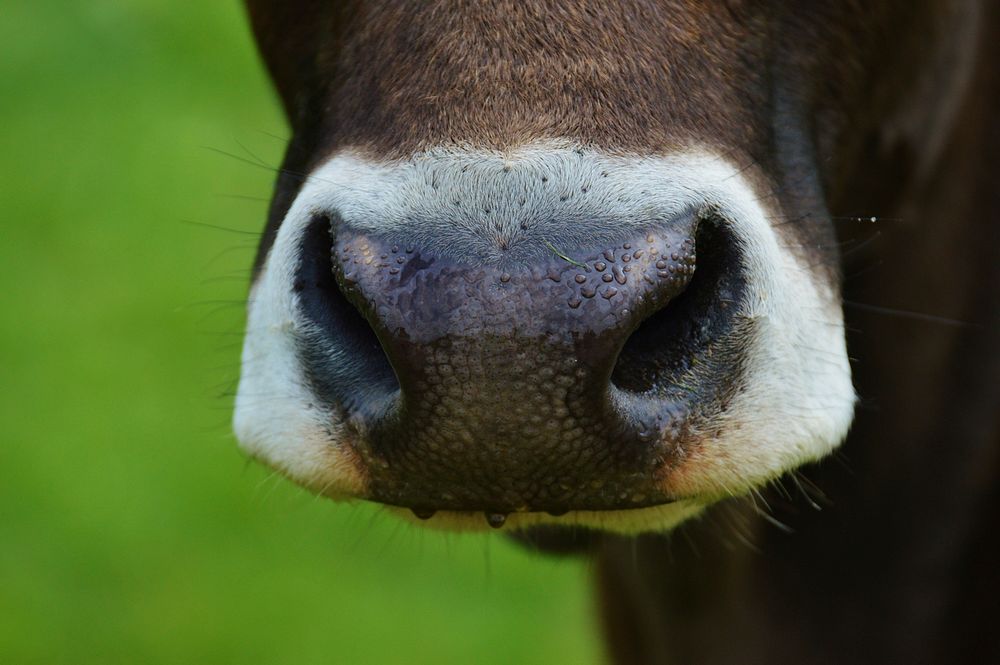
pixel 496 384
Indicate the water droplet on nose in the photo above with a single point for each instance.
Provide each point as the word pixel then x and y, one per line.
pixel 580 279
pixel 606 277
pixel 574 303
pixel 505 278
pixel 423 513
pixel 609 255
pixel 496 520
pixel 600 266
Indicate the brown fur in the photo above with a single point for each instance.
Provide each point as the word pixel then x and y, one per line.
pixel 391 78
pixel 643 76
pixel 899 567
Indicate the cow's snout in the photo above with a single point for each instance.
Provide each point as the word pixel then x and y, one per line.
pixel 545 331
pixel 500 384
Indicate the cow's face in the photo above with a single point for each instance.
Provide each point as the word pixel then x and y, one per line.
pixel 568 265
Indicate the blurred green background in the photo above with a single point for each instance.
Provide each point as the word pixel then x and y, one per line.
pixel 131 528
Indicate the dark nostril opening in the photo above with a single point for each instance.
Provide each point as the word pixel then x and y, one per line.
pixel 668 342
pixel 341 355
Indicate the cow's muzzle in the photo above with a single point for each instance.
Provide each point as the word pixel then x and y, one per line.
pixel 558 379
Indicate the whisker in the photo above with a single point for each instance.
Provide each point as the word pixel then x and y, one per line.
pixel 870 219
pixel 797 478
pixel 261 165
pixel 861 245
pixel 206 225
pixel 244 197
pixel 283 139
pixel 906 314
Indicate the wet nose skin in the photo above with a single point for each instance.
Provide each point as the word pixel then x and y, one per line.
pixel 505 397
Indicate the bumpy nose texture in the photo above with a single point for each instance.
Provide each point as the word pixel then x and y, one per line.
pixel 506 401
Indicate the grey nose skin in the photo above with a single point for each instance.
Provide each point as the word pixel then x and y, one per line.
pixel 505 398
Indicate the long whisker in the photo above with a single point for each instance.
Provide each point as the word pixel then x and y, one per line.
pixel 906 314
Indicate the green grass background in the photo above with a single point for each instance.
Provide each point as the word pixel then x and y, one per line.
pixel 131 528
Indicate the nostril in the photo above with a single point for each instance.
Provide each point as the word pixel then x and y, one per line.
pixel 671 340
pixel 341 355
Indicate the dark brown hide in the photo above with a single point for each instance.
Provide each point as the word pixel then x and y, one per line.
pixel 398 77
pixel 900 564
pixel 390 78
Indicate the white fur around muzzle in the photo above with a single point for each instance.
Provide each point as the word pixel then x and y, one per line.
pixel 798 401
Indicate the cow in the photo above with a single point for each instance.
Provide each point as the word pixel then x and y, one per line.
pixel 585 271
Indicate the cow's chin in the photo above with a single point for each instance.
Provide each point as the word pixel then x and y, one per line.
pixel 790 402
